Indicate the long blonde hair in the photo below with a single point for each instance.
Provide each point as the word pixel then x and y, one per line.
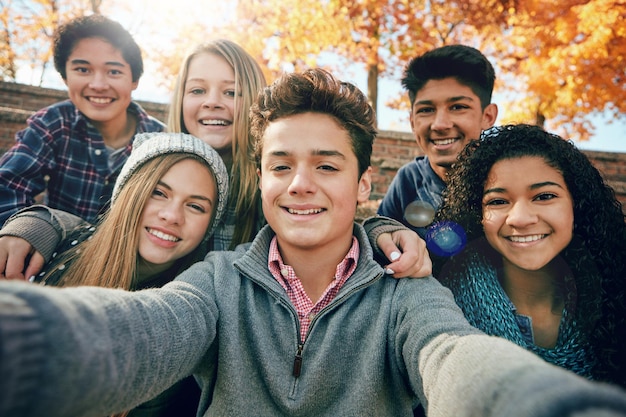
pixel 109 258
pixel 249 81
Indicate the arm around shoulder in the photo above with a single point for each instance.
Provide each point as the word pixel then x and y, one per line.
pixel 377 225
pixel 44 228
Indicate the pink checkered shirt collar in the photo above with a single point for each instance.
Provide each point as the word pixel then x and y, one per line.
pixel 287 278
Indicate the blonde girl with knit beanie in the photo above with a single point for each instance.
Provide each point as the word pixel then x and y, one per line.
pixel 167 200
pixel 170 195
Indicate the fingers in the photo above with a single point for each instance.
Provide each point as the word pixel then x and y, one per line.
pixel 3 264
pixel 34 266
pixel 13 254
pixel 413 260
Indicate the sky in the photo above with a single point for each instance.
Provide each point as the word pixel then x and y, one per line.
pixel 140 17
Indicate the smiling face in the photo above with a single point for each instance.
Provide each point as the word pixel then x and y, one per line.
pixel 445 116
pixel 528 212
pixel 99 82
pixel 175 218
pixel 310 184
pixel 209 101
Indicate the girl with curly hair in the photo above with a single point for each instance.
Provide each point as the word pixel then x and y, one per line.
pixel 545 265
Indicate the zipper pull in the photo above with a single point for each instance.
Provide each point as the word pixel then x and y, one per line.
pixel 297 362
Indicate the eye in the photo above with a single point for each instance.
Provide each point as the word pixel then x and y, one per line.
pixel 279 168
pixel 327 168
pixel 495 202
pixel 196 91
pixel 424 110
pixel 545 197
pixel 158 193
pixel 197 207
pixel 82 70
pixel 115 72
pixel 459 107
pixel 230 93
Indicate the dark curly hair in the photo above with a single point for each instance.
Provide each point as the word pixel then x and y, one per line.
pixel 598 222
pixel 96 26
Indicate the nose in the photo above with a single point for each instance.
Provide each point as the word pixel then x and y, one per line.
pixel 172 213
pixel 520 215
pixel 441 121
pixel 302 183
pixel 99 81
pixel 212 99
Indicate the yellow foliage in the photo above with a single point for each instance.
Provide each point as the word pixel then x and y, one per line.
pixel 561 60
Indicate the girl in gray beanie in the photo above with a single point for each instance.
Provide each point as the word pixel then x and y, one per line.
pixel 110 255
pixel 170 194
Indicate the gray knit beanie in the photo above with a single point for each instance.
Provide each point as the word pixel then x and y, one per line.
pixel 147 146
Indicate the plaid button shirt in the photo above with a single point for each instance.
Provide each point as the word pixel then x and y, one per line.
pixel 287 278
pixel 61 153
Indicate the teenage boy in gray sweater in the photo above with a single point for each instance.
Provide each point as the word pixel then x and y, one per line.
pixel 301 323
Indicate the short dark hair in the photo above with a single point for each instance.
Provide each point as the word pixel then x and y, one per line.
pixel 317 91
pixel 464 63
pixel 95 26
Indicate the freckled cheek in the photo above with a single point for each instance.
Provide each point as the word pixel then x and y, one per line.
pixel 188 112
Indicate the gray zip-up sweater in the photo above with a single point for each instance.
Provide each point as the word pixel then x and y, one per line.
pixel 380 344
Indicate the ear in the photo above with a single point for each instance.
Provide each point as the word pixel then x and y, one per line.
pixel 490 114
pixel 135 85
pixel 258 173
pixel 365 186
pixel 411 119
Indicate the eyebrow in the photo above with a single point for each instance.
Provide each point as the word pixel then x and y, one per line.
pixel 85 62
pixel 448 100
pixel 194 196
pixel 202 80
pixel 532 187
pixel 316 152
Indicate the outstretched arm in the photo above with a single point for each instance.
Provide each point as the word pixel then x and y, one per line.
pixel 457 370
pixel 111 348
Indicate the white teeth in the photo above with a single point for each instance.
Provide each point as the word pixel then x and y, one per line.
pixel 308 211
pixel 100 100
pixel 525 239
pixel 214 122
pixel 443 141
pixel 163 236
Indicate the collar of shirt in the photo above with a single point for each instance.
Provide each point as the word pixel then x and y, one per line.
pixel 286 277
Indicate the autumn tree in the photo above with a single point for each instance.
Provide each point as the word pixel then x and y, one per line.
pixel 8 68
pixel 560 61
pixel 567 60
pixel 27 27
pixel 563 60
pixel 381 35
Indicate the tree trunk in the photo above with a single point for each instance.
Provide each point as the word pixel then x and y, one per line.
pixel 540 119
pixel 372 86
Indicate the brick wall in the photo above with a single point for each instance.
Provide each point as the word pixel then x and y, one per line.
pixel 391 149
pixel 18 101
